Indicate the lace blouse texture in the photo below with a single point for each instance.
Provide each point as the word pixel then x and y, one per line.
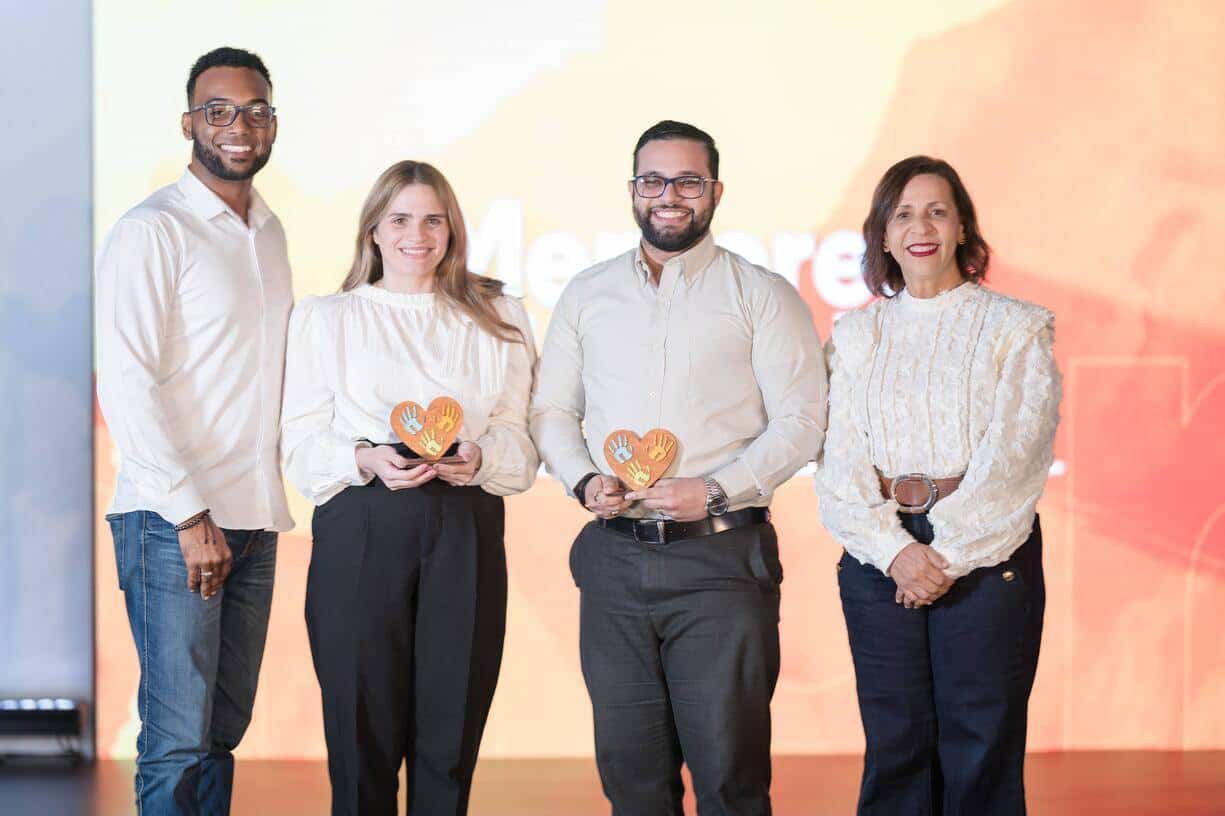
pixel 964 382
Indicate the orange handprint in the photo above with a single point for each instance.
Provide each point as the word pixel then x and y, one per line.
pixel 659 447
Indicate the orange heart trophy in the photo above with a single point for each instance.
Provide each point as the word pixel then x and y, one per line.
pixel 640 462
pixel 428 432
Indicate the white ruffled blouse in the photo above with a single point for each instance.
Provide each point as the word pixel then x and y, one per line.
pixel 353 356
pixel 962 383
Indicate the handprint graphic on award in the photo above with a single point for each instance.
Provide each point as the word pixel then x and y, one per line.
pixel 640 462
pixel 428 432
pixel 408 417
pixel 619 448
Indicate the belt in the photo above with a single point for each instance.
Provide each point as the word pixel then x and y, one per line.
pixel 659 531
pixel 409 453
pixel 916 492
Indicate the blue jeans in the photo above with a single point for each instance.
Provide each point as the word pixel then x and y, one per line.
pixel 944 690
pixel 199 661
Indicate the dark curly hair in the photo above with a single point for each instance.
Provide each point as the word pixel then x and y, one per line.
pixel 881 271
pixel 226 57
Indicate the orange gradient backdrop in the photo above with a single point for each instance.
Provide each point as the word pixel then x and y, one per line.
pixel 1089 134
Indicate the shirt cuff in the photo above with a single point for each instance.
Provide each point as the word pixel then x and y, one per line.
pixel 181 504
pixel 573 471
pixel 738 482
pixel 888 552
pixel 345 464
pixel 486 470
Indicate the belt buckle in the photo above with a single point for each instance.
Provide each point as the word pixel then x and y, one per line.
pixel 933 493
pixel 660 531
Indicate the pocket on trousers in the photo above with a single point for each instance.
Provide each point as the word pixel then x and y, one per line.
pixel 764 560
pixel 115 520
pixel 576 558
pixel 1012 583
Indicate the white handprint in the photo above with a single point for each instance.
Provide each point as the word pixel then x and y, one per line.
pixel 620 448
pixel 409 420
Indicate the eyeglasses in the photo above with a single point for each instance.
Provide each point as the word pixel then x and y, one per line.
pixel 223 114
pixel 685 186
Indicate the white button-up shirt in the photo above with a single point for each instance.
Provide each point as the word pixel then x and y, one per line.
pixel 192 306
pixel 722 353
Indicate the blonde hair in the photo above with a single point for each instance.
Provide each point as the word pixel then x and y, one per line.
pixel 456 285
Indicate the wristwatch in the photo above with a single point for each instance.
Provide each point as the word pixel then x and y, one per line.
pixel 716 499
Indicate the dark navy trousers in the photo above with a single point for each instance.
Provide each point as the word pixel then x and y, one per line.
pixel 944 690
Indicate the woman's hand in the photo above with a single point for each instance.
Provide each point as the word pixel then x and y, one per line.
pixel 918 571
pixel 393 469
pixel 460 475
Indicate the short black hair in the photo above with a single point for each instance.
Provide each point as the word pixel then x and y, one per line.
pixel 226 57
pixel 668 129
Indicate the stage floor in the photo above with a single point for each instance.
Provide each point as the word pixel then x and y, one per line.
pixel 1062 784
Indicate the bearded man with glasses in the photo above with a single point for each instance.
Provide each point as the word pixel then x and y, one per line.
pixel 192 307
pixel 680 581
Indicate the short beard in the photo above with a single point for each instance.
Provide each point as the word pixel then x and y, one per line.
pixel 212 161
pixel 673 241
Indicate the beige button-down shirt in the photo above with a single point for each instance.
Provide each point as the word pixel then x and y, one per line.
pixel 192 307
pixel 721 353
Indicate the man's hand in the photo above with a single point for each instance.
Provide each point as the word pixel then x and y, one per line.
pixel 392 468
pixel 679 499
pixel 918 571
pixel 462 474
pixel 207 556
pixel 605 496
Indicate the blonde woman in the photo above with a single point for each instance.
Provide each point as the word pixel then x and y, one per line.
pixel 406 595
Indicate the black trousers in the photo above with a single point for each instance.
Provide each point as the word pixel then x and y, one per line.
pixel 679 646
pixel 944 690
pixel 406 613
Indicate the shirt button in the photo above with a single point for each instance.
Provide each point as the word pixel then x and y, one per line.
pixel 1009 575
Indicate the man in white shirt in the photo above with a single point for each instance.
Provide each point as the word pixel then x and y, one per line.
pixel 192 306
pixel 680 581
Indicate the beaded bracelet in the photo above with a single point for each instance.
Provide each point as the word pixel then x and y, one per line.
pixel 192 522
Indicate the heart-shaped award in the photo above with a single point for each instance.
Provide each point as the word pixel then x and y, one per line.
pixel 639 463
pixel 428 432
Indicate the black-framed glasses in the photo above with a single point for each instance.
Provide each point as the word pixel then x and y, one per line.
pixel 223 114
pixel 685 186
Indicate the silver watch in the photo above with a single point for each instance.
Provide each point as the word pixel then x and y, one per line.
pixel 716 499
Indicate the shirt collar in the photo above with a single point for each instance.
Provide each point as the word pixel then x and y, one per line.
pixel 208 205
pixel 689 263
